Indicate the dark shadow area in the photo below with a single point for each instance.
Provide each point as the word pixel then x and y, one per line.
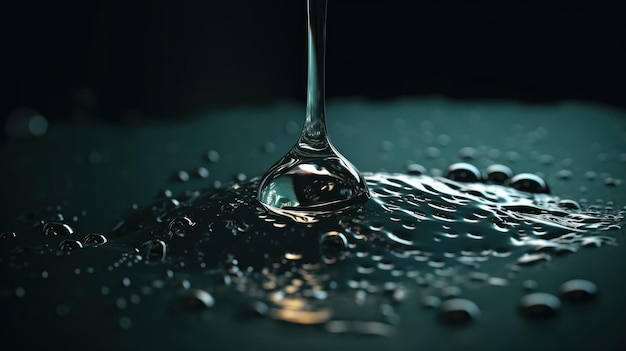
pixel 82 61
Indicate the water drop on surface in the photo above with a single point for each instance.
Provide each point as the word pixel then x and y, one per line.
pixel 197 299
pixel 463 172
pixel 416 169
pixel 540 305
pixel 212 156
pixel 498 174
pixel 57 229
pixel 333 245
pixel 530 183
pixel 70 245
pixel 8 235
pixel 313 177
pixel 579 290
pixel 458 311
pixel 125 323
pixel 153 250
pixel 94 239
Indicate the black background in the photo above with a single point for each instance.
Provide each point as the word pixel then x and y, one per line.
pixel 120 61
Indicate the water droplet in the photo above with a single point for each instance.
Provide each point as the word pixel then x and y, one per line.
pixel 153 250
pixel 313 177
pixel 57 229
pixel 579 290
pixel 458 311
pixel 269 147
pixel 529 285
pixel 530 183
pixel 416 169
pixel 202 172
pixel 333 245
pixel 8 235
pixel 94 239
pixel 197 299
pixel 430 301
pixel 125 323
pixel 25 122
pixel 498 174
pixel 182 176
pixel 432 152
pixel 468 153
pixel 463 172
pixel 569 204
pixel 386 146
pixel 70 245
pixel 540 305
pixel 564 174
pixel 212 156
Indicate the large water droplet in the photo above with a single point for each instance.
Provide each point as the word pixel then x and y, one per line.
pixel 313 177
pixel 57 229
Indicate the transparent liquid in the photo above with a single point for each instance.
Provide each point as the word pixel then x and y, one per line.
pixel 314 241
pixel 414 231
pixel 313 178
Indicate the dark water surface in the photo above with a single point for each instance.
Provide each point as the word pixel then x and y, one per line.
pixel 188 265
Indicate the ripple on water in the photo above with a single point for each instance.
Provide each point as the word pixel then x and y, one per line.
pixel 414 228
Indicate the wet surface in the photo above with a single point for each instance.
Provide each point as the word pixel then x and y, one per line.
pixel 118 243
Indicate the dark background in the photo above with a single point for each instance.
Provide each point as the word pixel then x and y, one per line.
pixel 120 61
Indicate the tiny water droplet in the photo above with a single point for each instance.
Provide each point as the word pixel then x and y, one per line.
pixel 202 172
pixel 94 239
pixel 70 245
pixel 333 245
pixel 153 250
pixel 529 183
pixel 212 156
pixel 197 299
pixel 498 174
pixel 8 235
pixel 458 311
pixel 125 323
pixel 579 290
pixel 416 169
pixel 540 305
pixel 463 172
pixel 468 153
